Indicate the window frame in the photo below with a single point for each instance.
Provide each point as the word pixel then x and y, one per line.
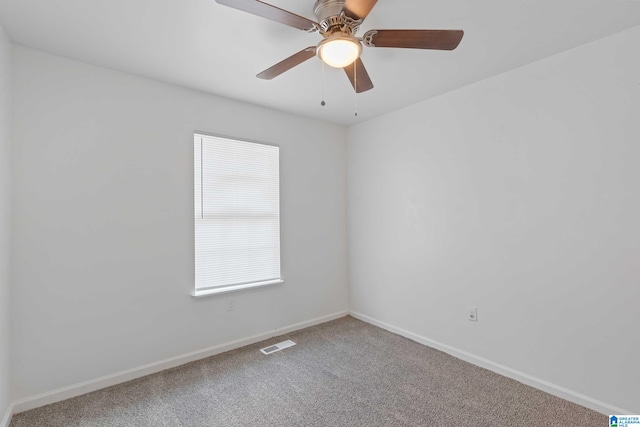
pixel 242 286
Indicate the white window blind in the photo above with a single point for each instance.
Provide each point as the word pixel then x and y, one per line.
pixel 237 212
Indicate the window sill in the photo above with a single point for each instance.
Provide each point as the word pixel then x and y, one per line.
pixel 234 288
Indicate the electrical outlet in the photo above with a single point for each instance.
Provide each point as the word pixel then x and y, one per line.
pixel 473 314
pixel 231 305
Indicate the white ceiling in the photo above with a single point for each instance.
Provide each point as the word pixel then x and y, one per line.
pixel 203 45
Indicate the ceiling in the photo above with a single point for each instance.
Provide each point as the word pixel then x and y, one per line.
pixel 203 45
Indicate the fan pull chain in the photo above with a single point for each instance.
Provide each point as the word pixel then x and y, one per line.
pixel 355 89
pixel 322 103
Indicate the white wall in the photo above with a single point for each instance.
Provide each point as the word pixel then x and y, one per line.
pixel 5 210
pixel 103 220
pixel 518 195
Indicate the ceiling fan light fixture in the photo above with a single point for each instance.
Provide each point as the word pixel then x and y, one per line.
pixel 338 23
pixel 339 51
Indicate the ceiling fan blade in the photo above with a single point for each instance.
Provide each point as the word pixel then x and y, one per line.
pixel 358 76
pixel 273 13
pixel 358 9
pixel 287 64
pixel 414 39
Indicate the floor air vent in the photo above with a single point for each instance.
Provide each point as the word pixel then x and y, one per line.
pixel 277 347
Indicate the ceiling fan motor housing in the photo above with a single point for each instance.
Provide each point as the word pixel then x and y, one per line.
pixel 324 9
pixel 330 15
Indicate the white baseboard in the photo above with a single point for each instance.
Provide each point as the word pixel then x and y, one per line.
pixel 7 417
pixel 152 368
pixel 130 374
pixel 527 379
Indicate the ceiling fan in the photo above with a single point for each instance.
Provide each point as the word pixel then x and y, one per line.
pixel 338 23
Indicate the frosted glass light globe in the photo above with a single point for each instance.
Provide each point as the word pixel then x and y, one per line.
pixel 339 52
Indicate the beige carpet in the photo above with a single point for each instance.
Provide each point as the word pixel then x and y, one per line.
pixel 341 373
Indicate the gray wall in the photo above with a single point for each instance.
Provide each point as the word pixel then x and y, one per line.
pixel 5 213
pixel 518 195
pixel 103 226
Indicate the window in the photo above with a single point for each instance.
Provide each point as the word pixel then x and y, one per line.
pixel 237 214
